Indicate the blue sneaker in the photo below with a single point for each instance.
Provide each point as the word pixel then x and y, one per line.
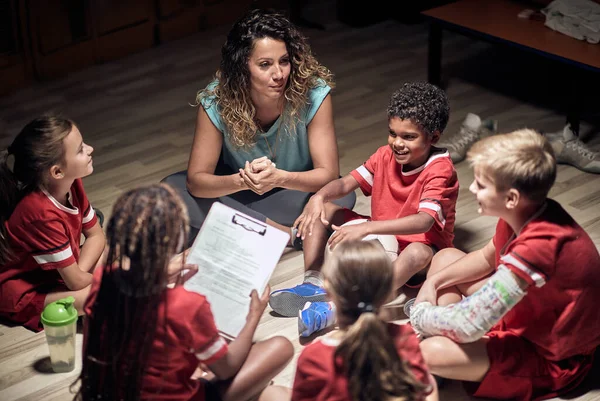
pixel 289 301
pixel 315 316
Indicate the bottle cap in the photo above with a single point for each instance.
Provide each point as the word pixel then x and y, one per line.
pixel 59 313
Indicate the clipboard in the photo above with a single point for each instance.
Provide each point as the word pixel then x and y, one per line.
pixel 235 254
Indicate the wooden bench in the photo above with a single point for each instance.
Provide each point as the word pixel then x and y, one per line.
pixel 496 21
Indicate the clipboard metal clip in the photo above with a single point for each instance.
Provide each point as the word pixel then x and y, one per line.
pixel 248 224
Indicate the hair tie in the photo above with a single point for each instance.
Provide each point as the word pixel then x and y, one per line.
pixel 364 307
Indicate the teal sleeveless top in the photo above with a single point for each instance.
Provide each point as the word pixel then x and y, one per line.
pixel 291 150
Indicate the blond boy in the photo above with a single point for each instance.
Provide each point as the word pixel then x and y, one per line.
pixel 528 324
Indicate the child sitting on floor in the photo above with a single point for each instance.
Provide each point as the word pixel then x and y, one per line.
pixel 43 212
pixel 413 187
pixel 529 324
pixel 367 359
pixel 145 334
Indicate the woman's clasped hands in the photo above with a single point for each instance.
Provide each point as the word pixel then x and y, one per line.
pixel 260 175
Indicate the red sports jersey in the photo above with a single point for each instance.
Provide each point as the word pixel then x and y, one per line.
pixel 44 235
pixel 544 346
pixel 431 188
pixel 319 376
pixel 189 336
pixel 561 263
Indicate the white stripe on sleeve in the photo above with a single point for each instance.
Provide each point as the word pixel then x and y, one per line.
pixel 436 208
pixel 212 350
pixel 536 277
pixel 54 257
pixel 89 216
pixel 366 174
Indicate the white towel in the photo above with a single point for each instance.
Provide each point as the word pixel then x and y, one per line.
pixel 579 19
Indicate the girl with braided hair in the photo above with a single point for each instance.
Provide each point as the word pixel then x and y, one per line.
pixel 367 359
pixel 145 334
pixel 43 213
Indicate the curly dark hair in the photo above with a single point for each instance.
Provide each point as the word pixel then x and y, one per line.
pixel 232 92
pixel 422 103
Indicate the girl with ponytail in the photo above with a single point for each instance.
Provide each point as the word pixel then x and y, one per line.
pixel 43 213
pixel 367 359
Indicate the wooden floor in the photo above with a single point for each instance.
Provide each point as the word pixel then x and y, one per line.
pixel 135 112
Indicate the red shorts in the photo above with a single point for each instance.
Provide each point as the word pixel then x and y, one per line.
pixel 518 372
pixel 349 215
pixel 30 315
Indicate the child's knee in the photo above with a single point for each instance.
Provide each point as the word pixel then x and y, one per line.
pixel 444 258
pixel 434 351
pixel 281 348
pixel 416 256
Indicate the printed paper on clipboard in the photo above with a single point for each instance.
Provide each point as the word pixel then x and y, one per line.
pixel 235 254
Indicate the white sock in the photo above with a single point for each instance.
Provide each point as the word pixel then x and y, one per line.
pixel 313 277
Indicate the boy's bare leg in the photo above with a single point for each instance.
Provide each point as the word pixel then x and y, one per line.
pixel 451 295
pixel 281 227
pixel 314 245
pixel 445 358
pixel 265 360
pixel 414 258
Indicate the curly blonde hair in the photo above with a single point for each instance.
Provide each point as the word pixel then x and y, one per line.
pixel 232 91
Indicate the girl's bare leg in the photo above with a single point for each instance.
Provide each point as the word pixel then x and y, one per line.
pixel 266 359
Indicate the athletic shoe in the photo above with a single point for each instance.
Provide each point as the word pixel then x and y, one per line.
pixel 568 149
pixel 471 130
pixel 289 301
pixel 315 316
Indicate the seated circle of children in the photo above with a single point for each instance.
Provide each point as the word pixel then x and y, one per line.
pixel 367 359
pixel 518 317
pixel 413 187
pixel 43 213
pixel 145 335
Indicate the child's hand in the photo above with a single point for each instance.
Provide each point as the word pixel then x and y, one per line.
pixel 347 233
pixel 177 265
pixel 258 304
pixel 313 211
pixel 203 372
